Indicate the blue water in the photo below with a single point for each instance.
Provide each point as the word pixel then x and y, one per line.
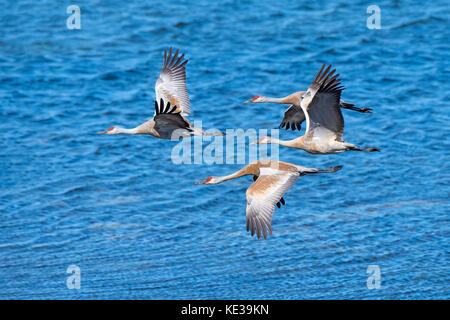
pixel 134 223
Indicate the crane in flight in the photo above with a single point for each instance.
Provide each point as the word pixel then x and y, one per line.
pixel 171 105
pixel 321 106
pixel 272 179
pixel 294 115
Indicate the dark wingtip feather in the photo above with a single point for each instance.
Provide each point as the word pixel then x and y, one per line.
pixel 169 56
pixel 320 72
pixel 167 107
pixel 172 61
pixel 179 60
pixel 184 63
pixel 174 58
pixel 330 84
pixel 161 105
pixel 324 74
pixel 165 58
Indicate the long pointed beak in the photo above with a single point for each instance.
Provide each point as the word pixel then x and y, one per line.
pixel 101 132
pixel 201 182
pixel 252 143
pixel 248 101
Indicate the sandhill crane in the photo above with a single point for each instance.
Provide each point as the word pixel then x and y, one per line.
pixel 272 179
pixel 325 124
pixel 167 123
pixel 171 105
pixel 294 115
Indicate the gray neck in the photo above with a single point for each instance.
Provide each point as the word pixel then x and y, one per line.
pixel 296 143
pixel 126 131
pixel 235 175
pixel 272 100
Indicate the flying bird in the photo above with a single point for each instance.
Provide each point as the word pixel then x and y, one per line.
pixel 171 105
pixel 272 179
pixel 167 123
pixel 321 106
pixel 294 115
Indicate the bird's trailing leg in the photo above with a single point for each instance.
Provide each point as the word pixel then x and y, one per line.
pixel 311 170
pixel 218 133
pixel 350 106
pixel 329 170
pixel 371 149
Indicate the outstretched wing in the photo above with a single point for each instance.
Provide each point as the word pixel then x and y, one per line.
pixel 263 195
pixel 293 118
pixel 168 121
pixel 171 84
pixel 322 103
pixel 279 203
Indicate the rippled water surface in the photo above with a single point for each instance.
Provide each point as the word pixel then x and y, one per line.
pixel 117 207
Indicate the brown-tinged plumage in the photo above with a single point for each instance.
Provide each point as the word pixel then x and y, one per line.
pixel 325 124
pixel 171 83
pixel 272 179
pixel 294 115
